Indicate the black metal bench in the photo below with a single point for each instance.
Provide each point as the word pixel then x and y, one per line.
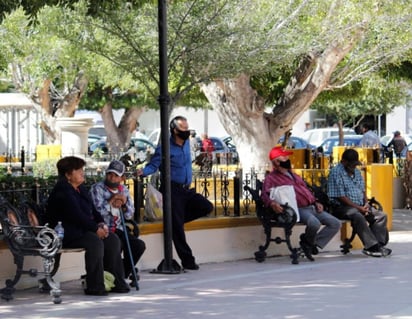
pixel 269 219
pixel 25 235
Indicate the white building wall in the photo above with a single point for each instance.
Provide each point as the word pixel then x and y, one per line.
pixel 202 121
pixel 400 119
pixel 19 128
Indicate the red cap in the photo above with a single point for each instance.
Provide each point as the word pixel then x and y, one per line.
pixel 278 151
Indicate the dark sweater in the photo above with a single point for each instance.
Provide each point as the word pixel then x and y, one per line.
pixel 74 208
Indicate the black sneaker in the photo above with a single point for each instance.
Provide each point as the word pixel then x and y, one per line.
pixel 120 290
pixel 386 251
pixel 191 266
pixel 92 292
pixel 315 250
pixel 306 248
pixel 131 277
pixel 380 252
pixel 377 251
pixel 372 253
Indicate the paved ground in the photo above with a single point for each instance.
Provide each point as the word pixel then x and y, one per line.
pixel 334 286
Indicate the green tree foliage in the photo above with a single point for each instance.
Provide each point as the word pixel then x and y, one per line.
pixel 32 7
pixel 275 44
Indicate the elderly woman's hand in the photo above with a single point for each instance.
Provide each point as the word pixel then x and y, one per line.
pixel 102 231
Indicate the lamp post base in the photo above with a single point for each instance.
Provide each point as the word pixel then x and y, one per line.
pixel 164 268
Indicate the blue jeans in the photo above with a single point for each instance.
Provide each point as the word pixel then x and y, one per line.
pixel 313 221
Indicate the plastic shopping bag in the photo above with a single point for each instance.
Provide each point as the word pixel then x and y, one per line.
pixel 285 195
pixel 154 203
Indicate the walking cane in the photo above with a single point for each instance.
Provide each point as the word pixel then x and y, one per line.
pixel 129 250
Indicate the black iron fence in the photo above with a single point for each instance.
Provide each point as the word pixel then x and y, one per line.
pixel 222 187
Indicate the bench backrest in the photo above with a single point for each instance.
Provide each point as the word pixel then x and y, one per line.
pixel 23 231
pixel 266 215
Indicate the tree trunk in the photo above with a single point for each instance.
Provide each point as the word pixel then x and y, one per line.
pixel 52 104
pixel 241 109
pixel 118 137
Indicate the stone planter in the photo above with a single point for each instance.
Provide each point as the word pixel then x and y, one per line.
pixel 399 193
pixel 74 132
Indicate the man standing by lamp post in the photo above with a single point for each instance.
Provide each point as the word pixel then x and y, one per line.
pixel 186 204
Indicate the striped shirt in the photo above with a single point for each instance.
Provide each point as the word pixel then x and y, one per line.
pixel 304 196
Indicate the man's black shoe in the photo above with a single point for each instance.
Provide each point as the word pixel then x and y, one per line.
pixel 379 252
pixel 192 266
pixel 120 290
pixel 95 292
pixel 306 248
pixel 315 250
pixel 131 277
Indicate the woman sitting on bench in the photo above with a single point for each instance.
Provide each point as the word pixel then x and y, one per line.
pixel 70 203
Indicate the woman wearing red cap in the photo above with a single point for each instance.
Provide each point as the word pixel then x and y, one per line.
pixel 311 212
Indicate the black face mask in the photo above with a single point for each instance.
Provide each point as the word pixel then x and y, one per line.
pixel 350 168
pixel 111 185
pixel 285 164
pixel 184 135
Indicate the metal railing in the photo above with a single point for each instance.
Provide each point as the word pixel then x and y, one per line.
pixel 222 187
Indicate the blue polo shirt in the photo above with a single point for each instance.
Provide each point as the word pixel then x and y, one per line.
pixel 180 162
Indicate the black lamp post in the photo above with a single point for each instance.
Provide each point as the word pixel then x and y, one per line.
pixel 168 265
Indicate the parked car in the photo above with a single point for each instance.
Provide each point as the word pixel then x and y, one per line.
pixel 222 152
pixel 92 138
pixel 98 130
pixel 296 142
pixel 348 140
pixel 139 149
pixel 154 137
pixel 232 148
pixel 317 136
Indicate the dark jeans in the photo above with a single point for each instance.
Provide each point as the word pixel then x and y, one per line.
pixel 187 205
pixel 137 247
pixel 101 255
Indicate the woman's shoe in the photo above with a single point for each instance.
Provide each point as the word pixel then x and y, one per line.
pixel 92 292
pixel 120 290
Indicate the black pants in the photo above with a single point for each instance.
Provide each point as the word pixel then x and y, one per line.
pixel 187 206
pixel 137 247
pixel 101 255
pixel 369 234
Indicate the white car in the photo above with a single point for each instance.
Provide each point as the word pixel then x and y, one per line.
pixel 318 135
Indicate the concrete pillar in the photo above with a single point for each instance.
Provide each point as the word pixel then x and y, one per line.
pixel 73 135
pixel 379 179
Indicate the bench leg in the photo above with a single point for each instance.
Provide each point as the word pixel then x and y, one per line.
pixel 260 255
pixel 43 284
pixel 294 255
pixel 346 246
pixel 55 291
pixel 7 292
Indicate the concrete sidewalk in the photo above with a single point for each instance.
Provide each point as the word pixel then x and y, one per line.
pixel 334 286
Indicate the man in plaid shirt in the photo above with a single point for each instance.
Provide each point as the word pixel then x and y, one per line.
pixel 111 198
pixel 346 190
